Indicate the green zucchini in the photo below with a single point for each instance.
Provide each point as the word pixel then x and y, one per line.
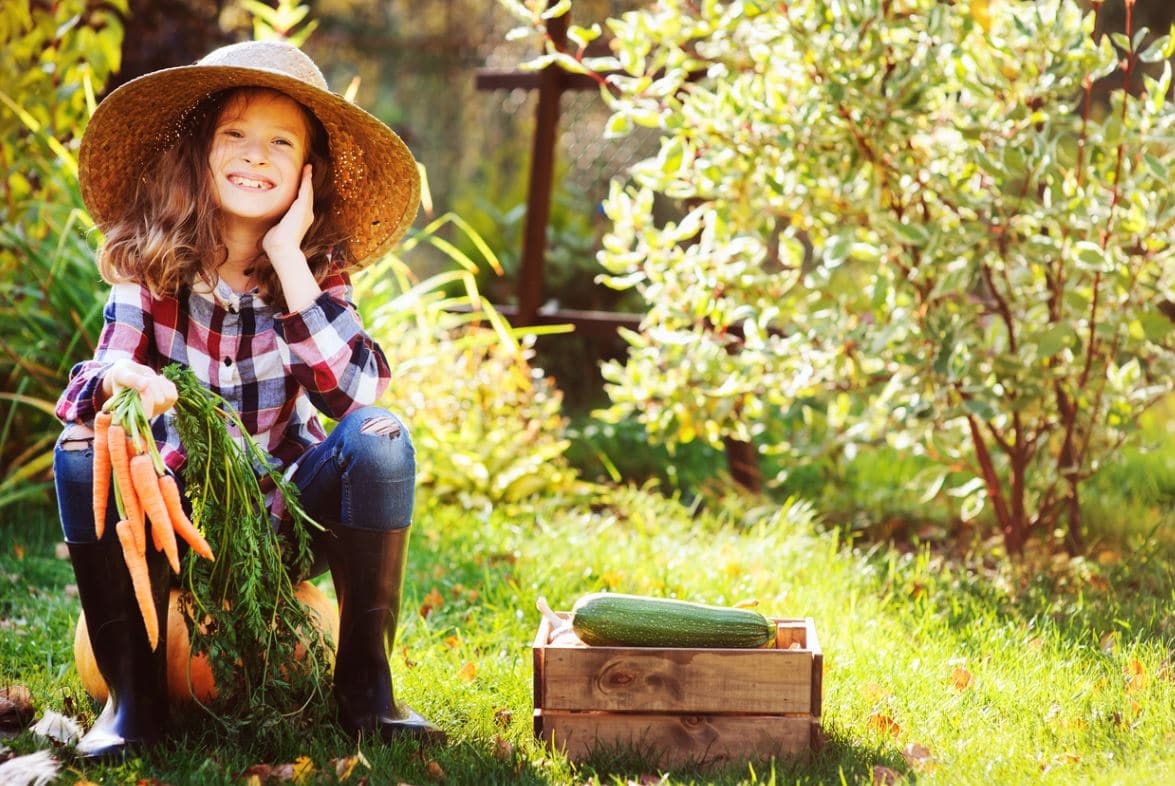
pixel 615 619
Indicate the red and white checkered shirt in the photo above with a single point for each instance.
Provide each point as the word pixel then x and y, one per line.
pixel 277 370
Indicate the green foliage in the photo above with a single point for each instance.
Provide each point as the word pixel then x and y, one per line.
pixel 54 59
pixel 904 223
pixel 486 425
pixel 280 22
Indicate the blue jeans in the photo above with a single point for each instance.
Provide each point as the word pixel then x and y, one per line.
pixel 363 475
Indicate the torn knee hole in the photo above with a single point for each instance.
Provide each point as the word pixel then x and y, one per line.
pixel 77 438
pixel 380 427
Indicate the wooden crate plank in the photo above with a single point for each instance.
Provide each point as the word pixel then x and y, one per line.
pixel 817 669
pixel 753 681
pixel 789 632
pixel 540 647
pixel 670 740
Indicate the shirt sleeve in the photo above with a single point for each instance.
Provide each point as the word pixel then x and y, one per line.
pixel 328 351
pixel 125 334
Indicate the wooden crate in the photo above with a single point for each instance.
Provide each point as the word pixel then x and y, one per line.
pixel 680 705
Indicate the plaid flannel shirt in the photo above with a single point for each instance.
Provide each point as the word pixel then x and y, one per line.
pixel 277 370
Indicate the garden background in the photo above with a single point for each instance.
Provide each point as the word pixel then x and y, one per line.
pixel 917 253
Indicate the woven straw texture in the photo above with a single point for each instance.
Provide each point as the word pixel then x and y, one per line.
pixel 376 177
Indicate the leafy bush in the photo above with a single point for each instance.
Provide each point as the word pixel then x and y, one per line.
pixel 487 427
pixel 905 223
pixel 56 56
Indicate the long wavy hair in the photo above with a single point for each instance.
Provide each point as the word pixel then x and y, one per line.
pixel 170 235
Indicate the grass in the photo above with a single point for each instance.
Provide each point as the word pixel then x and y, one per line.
pixel 1053 673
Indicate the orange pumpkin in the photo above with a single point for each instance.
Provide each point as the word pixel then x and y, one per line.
pixel 181 665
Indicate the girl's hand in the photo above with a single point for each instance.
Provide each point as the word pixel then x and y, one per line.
pixel 284 239
pixel 156 391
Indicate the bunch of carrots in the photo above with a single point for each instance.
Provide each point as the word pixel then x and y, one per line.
pixel 143 492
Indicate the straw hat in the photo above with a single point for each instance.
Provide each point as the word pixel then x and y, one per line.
pixel 376 178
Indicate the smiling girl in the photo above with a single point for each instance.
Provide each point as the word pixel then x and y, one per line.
pixel 236 196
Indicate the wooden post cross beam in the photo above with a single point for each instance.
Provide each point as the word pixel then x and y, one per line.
pixel 550 82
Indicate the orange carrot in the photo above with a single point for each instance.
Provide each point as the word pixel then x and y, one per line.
pixel 136 564
pixel 120 461
pixel 101 471
pixel 179 520
pixel 147 487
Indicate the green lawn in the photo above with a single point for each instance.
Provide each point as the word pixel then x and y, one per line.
pixel 1056 671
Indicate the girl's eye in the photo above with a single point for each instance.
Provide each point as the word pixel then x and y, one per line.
pixel 232 132
pixel 280 141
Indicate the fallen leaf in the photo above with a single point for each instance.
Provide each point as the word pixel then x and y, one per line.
pixel 503 717
pixel 58 727
pixel 503 749
pixel 960 678
pixel 344 767
pixel 885 776
pixel 257 773
pixel 16 707
pixel 432 601
pixel 18 550
pixel 435 771
pixel 303 768
pixel 33 768
pixel 468 672
pixel 452 642
pixel 918 757
pixel 875 692
pixel 884 724
pixel 1109 642
pixel 1136 677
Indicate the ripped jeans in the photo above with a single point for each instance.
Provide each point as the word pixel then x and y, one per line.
pixel 363 475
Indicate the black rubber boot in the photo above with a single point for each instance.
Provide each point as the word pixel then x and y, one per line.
pixel 135 714
pixel 368 572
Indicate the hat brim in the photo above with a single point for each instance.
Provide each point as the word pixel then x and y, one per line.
pixel 376 177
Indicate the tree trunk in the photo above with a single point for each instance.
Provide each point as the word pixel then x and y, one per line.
pixel 743 461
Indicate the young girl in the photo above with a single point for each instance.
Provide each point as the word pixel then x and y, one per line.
pixel 236 195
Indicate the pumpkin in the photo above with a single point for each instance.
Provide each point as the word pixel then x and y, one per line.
pixel 181 665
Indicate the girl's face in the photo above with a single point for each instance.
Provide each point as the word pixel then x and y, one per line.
pixel 259 145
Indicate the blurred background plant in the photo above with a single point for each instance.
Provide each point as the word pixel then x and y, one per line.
pixel 54 59
pixel 902 226
pixel 488 426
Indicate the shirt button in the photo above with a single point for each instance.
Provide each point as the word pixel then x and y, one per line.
pixel 228 361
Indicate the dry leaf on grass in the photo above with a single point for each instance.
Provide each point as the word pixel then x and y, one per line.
pixel 960 678
pixel 1136 676
pixel 884 724
pixel 35 769
pixel 58 727
pixel 432 601
pixel 16 707
pixel 918 757
pixel 345 766
pixel 503 749
pixel 468 672
pixel 885 776
pixel 503 717
pixel 435 771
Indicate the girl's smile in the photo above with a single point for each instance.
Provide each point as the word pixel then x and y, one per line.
pixel 259 147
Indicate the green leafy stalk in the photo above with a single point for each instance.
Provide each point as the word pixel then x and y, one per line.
pixel 250 621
